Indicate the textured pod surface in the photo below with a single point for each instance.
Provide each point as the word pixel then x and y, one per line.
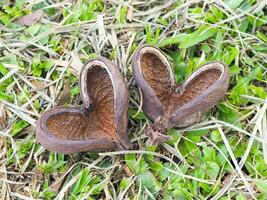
pixel 177 105
pixel 100 125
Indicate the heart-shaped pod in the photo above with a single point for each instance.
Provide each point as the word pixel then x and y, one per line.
pixel 171 104
pixel 102 122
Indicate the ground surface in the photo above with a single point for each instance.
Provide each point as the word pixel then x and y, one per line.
pixel 221 158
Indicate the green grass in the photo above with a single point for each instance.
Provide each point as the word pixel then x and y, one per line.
pixel 224 157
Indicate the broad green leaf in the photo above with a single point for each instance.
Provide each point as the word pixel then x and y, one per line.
pixel 215 136
pixel 243 25
pixel 173 40
pixel 197 133
pixel 24 148
pixel 130 160
pixel 258 20
pixel 228 114
pixel 147 180
pixel 163 173
pixel 242 87
pixel 125 182
pixel 240 197
pixel 6 97
pixel 234 3
pixel 133 114
pixel 199 173
pixel 235 70
pixel 220 160
pixel 205 48
pixel 230 54
pixel 209 153
pixel 197 37
pixel 214 15
pixel 163 21
pixel 258 91
pixel 75 90
pixel 4 18
pixel 18 126
pixel 218 47
pixel 260 48
pixel 262 36
pixel 262 185
pixel 212 169
pixel 34 29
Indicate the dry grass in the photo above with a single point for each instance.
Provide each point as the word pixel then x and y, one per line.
pixel 223 157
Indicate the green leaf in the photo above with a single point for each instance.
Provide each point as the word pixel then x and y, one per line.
pixel 212 169
pixel 53 164
pixel 75 90
pixel 260 48
pixel 209 153
pixel 163 21
pixel 257 20
pixel 130 160
pixel 34 29
pixel 24 147
pixel 46 65
pixel 205 48
pixel 38 66
pixel 230 54
pixel 82 182
pixel 4 18
pixel 197 37
pixel 228 114
pixel 172 40
pixel 125 182
pixel 122 15
pixel 258 91
pixel 197 133
pixel 215 136
pixel 233 3
pixel 141 166
pixel 147 180
pixel 133 114
pixel 234 70
pixel 3 70
pixel 148 34
pixel 262 185
pixel 18 126
pixel 242 86
pixel 6 97
pixel 240 197
pixel 243 25
pixel 262 36
pixel 214 16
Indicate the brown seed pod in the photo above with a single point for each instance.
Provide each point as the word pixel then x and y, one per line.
pixel 102 122
pixel 169 104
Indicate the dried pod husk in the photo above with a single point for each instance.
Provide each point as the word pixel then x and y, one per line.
pixel 176 105
pixel 100 125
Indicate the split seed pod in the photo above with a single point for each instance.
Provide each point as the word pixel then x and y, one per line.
pixel 102 122
pixel 176 105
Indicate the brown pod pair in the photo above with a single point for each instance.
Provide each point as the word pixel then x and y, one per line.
pixel 100 125
pixel 176 105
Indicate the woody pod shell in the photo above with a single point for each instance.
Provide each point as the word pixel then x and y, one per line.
pixel 189 101
pixel 100 124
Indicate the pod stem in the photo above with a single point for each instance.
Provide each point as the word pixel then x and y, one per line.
pixel 156 132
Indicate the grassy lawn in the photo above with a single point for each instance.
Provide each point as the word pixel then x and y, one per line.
pixel 223 157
